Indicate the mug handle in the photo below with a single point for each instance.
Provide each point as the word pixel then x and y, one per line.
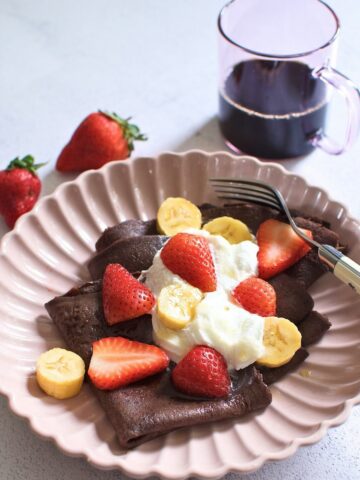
pixel 352 96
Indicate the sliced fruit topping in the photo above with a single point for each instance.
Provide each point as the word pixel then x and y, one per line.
pixel 176 215
pixel 279 247
pixel 281 340
pixel 256 296
pixel 124 297
pixel 60 373
pixel 203 373
pixel 189 256
pixel 235 231
pixel 117 361
pixel 176 305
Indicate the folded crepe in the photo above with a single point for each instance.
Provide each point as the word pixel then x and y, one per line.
pixel 152 407
pixel 133 243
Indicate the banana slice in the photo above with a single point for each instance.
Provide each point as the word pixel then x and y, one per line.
pixel 281 340
pixel 176 305
pixel 177 214
pixel 235 231
pixel 60 373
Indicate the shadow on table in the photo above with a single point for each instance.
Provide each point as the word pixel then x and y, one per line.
pixel 209 138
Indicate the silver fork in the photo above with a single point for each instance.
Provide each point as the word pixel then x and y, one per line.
pixel 347 270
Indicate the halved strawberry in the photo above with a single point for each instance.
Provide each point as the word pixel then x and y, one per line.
pixel 256 296
pixel 203 373
pixel 116 362
pixel 124 297
pixel 279 247
pixel 189 257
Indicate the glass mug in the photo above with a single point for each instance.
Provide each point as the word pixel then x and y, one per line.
pixel 276 78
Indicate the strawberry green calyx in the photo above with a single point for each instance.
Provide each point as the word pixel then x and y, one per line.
pixel 28 163
pixel 131 132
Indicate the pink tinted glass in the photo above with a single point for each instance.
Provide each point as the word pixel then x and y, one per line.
pixel 276 76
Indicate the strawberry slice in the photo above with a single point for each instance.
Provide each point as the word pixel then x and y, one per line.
pixel 202 372
pixel 189 256
pixel 279 247
pixel 116 362
pixel 124 297
pixel 256 296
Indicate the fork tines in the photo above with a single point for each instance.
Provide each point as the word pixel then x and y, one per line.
pixel 245 191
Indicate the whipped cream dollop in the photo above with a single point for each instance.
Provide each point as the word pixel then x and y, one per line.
pixel 219 321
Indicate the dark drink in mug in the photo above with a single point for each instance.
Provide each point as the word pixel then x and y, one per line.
pixel 276 78
pixel 272 108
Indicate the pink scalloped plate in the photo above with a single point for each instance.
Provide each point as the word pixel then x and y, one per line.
pixel 46 254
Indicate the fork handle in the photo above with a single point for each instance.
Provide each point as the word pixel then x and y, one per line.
pixel 342 266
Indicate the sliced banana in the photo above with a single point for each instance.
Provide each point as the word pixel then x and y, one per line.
pixel 60 373
pixel 281 340
pixel 235 231
pixel 176 305
pixel 176 215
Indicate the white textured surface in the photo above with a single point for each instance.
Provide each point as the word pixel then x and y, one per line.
pixel 157 61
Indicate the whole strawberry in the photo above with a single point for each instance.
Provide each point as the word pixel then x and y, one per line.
pixel 203 373
pixel 100 138
pixel 19 188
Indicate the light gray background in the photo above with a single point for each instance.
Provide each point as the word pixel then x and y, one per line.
pixel 155 60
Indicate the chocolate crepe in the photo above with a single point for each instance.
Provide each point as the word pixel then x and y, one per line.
pixel 79 317
pixel 272 375
pixel 135 254
pixel 252 215
pixel 313 327
pixel 115 244
pixel 292 300
pixel 151 407
pixel 147 409
pixel 126 229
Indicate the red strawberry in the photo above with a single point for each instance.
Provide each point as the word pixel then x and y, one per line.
pixel 189 257
pixel 116 362
pixel 256 296
pixel 279 247
pixel 202 372
pixel 100 138
pixel 124 297
pixel 19 188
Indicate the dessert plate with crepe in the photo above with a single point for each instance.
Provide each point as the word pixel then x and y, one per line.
pixel 52 250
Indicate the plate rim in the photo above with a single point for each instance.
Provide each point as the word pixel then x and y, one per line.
pixel 190 471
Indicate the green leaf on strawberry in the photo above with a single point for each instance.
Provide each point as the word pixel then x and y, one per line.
pixel 27 162
pixel 131 131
